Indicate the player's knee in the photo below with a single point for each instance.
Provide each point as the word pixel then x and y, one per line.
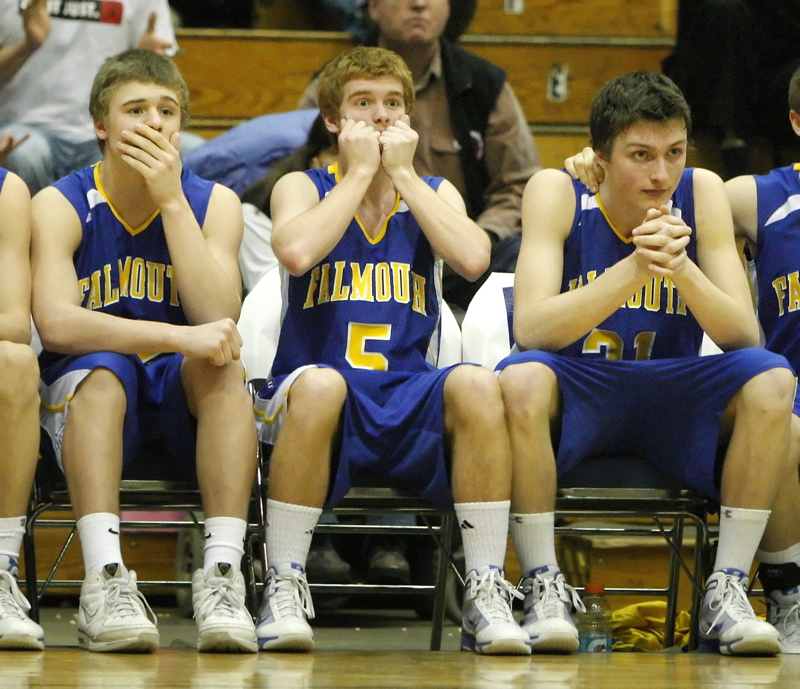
pixel 19 381
pixel 471 390
pixel 527 388
pixel 318 391
pixel 100 391
pixel 770 392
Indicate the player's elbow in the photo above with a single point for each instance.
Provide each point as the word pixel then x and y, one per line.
pixel 297 265
pixel 475 269
pixel 51 330
pixel 474 264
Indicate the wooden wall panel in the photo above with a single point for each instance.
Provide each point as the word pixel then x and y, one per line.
pixel 235 74
pixel 639 18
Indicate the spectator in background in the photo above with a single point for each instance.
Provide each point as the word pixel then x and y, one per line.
pixel 48 58
pixel 472 129
pixel 256 257
pixel 733 61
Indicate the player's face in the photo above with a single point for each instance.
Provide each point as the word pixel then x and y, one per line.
pixel 410 21
pixel 647 161
pixel 378 102
pixel 137 102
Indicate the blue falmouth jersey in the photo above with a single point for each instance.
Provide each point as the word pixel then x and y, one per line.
pixel 3 173
pixel 654 323
pixel 370 304
pixel 778 260
pixel 121 270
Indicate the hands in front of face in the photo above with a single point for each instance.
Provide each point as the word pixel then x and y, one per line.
pixel 661 242
pixel 363 147
pixel 148 152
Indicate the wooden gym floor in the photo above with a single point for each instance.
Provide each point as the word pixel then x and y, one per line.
pixel 369 650
pixel 65 668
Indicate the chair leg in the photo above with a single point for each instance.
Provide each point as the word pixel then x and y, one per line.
pixel 442 564
pixel 674 581
pixel 701 545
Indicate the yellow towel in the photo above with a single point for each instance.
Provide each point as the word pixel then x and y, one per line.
pixel 640 627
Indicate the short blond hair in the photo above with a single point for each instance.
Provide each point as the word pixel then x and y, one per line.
pixel 136 64
pixel 361 63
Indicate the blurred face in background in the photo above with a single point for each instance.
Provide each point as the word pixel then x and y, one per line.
pixel 409 21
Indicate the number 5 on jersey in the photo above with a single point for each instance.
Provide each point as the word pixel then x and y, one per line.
pixel 357 354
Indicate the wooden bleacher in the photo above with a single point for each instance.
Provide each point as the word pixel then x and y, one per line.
pixel 234 75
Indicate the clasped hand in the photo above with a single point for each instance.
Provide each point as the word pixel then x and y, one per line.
pixel 661 242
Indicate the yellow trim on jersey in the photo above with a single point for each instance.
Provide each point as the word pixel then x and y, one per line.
pixel 625 239
pixel 59 407
pixel 127 227
pixel 334 168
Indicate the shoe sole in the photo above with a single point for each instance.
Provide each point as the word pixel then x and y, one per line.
pixel 289 643
pixel 758 646
pixel 509 647
pixel 555 643
pixel 21 642
pixel 225 642
pixel 143 643
pixel 761 645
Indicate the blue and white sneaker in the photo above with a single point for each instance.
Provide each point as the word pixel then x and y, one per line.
pixel 282 624
pixel 488 626
pixel 728 622
pixel 549 602
pixel 783 613
pixel 17 630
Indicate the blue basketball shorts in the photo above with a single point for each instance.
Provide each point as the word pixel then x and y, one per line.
pixel 157 410
pixel 667 411
pixel 392 428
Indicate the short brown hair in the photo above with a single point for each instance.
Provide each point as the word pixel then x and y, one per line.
pixel 794 92
pixel 628 99
pixel 361 63
pixel 136 64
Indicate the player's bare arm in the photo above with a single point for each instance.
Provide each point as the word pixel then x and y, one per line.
pixel 305 229
pixel 205 260
pixel 715 289
pixel 36 23
pixel 442 215
pixel 67 327
pixel 15 273
pixel 545 318
pixel 743 197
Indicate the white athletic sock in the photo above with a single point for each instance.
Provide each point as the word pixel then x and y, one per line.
pixel 224 542
pixel 780 557
pixel 99 534
pixel 484 532
pixel 740 532
pixel 534 540
pixel 12 529
pixel 289 532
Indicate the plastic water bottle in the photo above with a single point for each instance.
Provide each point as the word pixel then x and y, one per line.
pixel 594 625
